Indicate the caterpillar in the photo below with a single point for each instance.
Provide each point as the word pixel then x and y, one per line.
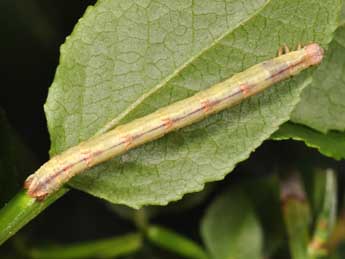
pixel 61 168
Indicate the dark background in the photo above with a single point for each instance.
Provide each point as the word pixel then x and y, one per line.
pixel 32 32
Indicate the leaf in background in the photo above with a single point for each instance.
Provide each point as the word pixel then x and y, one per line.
pixel 331 144
pixel 326 218
pixel 265 197
pixel 16 161
pixel 322 106
pixel 230 228
pixel 296 214
pixel 126 58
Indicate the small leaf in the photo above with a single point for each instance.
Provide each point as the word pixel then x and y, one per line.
pixel 125 59
pixel 264 195
pixel 331 144
pixel 322 104
pixel 230 228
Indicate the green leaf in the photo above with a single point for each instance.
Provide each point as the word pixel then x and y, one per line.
pixel 230 228
pixel 331 144
pixel 188 202
pixel 125 59
pixel 176 243
pixel 296 213
pixel 342 15
pixel 265 197
pixel 107 248
pixel 322 104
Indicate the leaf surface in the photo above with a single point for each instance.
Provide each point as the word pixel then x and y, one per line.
pixel 322 106
pixel 125 59
pixel 331 144
pixel 230 228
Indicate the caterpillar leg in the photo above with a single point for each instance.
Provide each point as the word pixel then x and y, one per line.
pixel 283 50
pixel 286 49
pixel 41 197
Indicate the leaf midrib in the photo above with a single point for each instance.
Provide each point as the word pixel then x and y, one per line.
pixel 114 122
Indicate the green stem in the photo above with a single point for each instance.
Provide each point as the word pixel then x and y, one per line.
pixel 296 214
pixel 140 220
pixel 175 242
pixel 326 218
pixel 104 248
pixel 20 210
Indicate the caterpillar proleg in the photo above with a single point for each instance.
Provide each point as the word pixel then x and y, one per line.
pixel 59 169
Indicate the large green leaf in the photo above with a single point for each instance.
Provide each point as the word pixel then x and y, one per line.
pixel 230 228
pixel 342 15
pixel 126 58
pixel 322 106
pixel 331 144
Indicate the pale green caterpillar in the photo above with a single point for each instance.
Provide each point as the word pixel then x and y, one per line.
pixel 58 170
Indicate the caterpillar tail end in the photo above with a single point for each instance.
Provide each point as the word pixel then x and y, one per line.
pixel 28 182
pixel 32 191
